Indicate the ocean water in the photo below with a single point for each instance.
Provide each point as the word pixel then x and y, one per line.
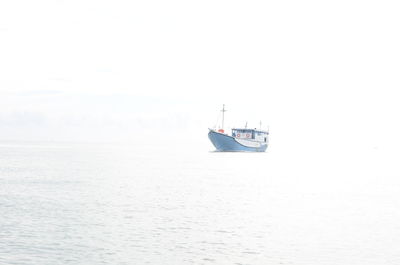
pixel 71 203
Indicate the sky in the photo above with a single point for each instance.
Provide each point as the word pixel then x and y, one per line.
pixel 322 75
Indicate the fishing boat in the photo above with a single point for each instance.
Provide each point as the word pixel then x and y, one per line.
pixel 240 140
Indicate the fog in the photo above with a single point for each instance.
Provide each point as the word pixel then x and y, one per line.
pixel 322 76
pixel 104 113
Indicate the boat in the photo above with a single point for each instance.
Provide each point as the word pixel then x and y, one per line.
pixel 240 140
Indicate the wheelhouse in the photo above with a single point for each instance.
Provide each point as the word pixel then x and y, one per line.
pixel 254 134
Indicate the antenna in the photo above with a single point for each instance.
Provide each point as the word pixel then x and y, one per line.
pixel 245 125
pixel 223 114
pixel 260 125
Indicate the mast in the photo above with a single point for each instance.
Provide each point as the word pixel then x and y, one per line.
pixel 223 114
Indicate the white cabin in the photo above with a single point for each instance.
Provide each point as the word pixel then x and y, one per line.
pixel 250 134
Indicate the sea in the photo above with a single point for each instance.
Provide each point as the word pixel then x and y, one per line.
pixel 116 203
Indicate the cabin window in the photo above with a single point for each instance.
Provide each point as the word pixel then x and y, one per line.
pixel 265 139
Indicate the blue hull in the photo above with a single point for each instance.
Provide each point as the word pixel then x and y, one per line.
pixel 226 143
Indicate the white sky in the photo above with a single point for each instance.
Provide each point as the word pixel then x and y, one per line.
pixel 322 74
